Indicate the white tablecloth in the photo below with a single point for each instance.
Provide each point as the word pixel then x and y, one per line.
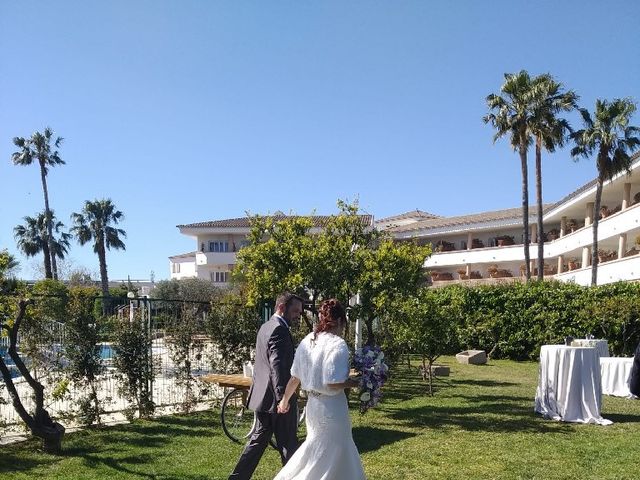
pixel 569 387
pixel 615 372
pixel 601 345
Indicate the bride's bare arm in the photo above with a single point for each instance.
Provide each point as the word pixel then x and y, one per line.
pixel 283 405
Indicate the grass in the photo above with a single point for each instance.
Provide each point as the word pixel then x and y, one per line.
pixel 479 425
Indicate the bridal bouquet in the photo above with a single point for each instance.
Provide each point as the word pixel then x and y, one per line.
pixel 370 361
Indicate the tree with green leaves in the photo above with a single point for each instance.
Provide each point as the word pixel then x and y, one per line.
pixel 41 148
pixel 425 324
pixel 550 131
pixel 608 135
pixel 8 263
pixel 512 113
pixel 83 352
pixel 95 224
pixel 31 321
pixel 344 258
pixel 33 238
pixel 389 270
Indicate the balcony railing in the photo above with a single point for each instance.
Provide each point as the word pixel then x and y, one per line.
pixel 215 258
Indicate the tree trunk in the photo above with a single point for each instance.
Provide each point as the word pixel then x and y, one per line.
pixel 40 424
pixel 47 261
pixel 594 226
pixel 102 260
pixel 371 339
pixel 525 206
pixel 49 220
pixel 539 205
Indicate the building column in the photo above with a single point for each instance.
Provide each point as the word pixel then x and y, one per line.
pixel 560 263
pixel 586 256
pixel 622 245
pixel 468 271
pixel 563 226
pixel 534 233
pixel 626 197
pixel 588 216
pixel 469 240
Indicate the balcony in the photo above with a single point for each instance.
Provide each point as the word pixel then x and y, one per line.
pixel 215 258
pixel 626 221
pixel 623 269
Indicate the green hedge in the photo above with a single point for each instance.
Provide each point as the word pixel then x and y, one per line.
pixel 513 320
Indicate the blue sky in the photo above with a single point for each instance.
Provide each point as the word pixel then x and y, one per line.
pixel 187 111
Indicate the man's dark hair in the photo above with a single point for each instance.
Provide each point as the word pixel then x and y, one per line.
pixel 286 299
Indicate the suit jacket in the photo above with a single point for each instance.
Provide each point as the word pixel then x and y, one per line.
pixel 634 378
pixel 272 367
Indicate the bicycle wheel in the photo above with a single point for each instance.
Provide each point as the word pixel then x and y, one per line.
pixel 237 420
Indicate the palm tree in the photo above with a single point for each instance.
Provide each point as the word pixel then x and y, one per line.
pixel 7 263
pixel 511 113
pixel 549 132
pixel 32 238
pixel 609 135
pixel 94 224
pixel 39 148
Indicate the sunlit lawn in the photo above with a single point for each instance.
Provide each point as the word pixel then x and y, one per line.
pixel 480 424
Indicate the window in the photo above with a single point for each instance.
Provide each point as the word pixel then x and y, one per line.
pixel 219 277
pixel 175 267
pixel 218 246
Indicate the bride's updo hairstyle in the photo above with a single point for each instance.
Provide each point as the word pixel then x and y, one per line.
pixel 331 314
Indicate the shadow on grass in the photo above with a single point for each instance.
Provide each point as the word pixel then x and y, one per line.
pixel 501 416
pixel 369 439
pixel 114 446
pixel 485 406
pixel 12 461
pixel 621 417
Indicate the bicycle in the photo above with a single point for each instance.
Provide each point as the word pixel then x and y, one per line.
pixel 238 421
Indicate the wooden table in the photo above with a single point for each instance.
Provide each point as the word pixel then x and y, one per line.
pixel 235 381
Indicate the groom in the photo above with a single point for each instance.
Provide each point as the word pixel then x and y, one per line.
pixel 271 372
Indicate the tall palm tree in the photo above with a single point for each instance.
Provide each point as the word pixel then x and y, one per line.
pixel 609 135
pixel 94 223
pixel 39 149
pixel 511 113
pixel 32 238
pixel 549 132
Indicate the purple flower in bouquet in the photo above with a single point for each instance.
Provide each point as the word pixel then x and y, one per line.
pixel 369 361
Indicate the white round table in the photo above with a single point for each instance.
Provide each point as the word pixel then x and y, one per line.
pixel 569 384
pixel 615 373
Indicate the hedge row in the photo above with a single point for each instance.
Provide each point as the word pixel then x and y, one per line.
pixel 513 320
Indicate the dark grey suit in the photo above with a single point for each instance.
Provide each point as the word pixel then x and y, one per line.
pixel 271 372
pixel 634 377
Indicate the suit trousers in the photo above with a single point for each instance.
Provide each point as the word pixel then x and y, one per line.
pixel 283 426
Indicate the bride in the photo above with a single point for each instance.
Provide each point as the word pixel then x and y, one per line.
pixel 321 365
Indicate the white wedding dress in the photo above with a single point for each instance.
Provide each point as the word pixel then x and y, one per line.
pixel 328 453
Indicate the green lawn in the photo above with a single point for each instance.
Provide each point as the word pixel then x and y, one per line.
pixel 480 425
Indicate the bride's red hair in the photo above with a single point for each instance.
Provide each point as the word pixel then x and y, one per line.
pixel 331 314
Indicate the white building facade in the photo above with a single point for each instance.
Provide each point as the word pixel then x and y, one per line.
pixel 217 243
pixel 488 247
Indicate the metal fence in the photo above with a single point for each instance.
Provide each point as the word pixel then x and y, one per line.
pixel 172 388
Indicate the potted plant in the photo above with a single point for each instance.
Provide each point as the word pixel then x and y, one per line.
pixel 553 234
pixel 477 243
pixel 462 273
pixel 503 240
pixel 573 264
pixel 572 225
pixel 444 246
